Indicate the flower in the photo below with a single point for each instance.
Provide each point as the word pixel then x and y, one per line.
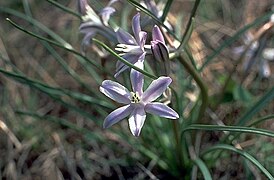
pixel 137 102
pixel 159 48
pixel 256 54
pixel 132 48
pixel 92 24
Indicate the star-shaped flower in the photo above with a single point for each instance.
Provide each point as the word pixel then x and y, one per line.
pixel 137 102
pixel 132 48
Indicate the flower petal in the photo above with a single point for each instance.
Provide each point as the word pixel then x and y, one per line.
pixel 136 120
pixel 142 37
pixel 156 88
pixel 115 91
pixel 136 27
pixel 124 37
pixel 106 13
pixel 117 115
pixel 82 6
pixel 132 58
pixel 137 78
pixel 159 51
pixel 161 110
pixel 157 34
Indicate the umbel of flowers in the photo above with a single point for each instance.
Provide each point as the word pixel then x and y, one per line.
pixel 137 102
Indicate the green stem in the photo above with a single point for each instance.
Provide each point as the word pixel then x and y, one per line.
pixel 166 10
pixel 190 20
pixel 178 142
pixel 64 8
pixel 204 95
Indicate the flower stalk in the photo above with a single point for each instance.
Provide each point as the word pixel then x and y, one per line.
pixel 204 94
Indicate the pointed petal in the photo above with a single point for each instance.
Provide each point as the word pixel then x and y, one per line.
pixel 124 37
pixel 117 115
pixel 157 34
pixel 136 120
pixel 137 78
pixel 106 13
pixel 136 27
pixel 161 110
pixel 156 88
pixel 87 41
pixel 159 51
pixel 82 6
pixel 115 91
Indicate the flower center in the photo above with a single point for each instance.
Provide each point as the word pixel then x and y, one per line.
pixel 135 98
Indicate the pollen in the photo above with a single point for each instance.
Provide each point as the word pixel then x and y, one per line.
pixel 135 97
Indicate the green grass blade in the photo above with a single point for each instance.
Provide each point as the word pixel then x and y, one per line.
pixel 241 129
pixel 66 47
pixel 166 10
pixel 268 97
pixel 64 8
pixel 62 122
pixel 38 25
pixel 269 117
pixel 243 154
pixel 203 168
pixel 189 26
pixel 186 36
pixel 57 92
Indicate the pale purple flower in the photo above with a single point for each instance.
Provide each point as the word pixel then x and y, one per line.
pixel 131 48
pixel 107 11
pixel 92 23
pixel 256 55
pixel 137 103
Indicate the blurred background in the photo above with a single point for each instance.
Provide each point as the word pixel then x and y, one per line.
pixel 51 110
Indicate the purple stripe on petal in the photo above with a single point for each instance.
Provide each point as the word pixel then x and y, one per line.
pixel 155 89
pixel 136 27
pixel 137 78
pixel 115 91
pixel 136 120
pixel 161 110
pixel 117 115
pixel 157 34
pixel 124 37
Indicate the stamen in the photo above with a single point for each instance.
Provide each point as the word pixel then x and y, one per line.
pixel 135 98
pixel 128 48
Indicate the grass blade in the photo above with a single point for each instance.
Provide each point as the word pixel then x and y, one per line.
pixel 243 154
pixel 203 168
pixel 64 8
pixel 241 129
pixel 268 97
